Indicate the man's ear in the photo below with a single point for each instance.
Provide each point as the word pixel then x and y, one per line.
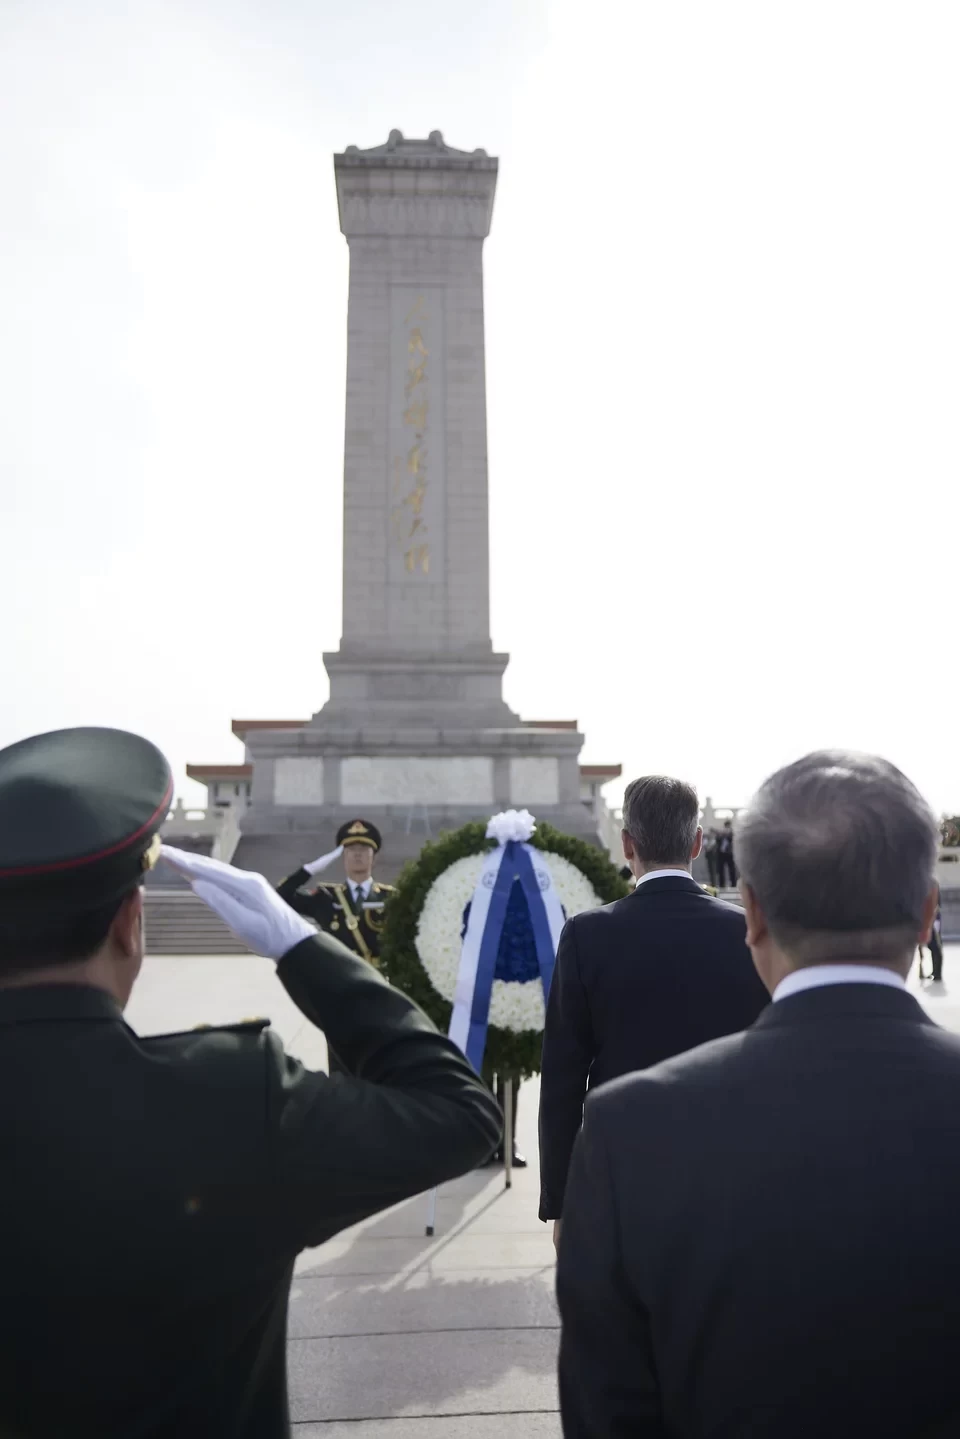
pixel 629 852
pixel 757 930
pixel 126 932
pixel 697 843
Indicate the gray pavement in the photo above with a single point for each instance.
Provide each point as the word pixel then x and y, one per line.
pixel 393 1335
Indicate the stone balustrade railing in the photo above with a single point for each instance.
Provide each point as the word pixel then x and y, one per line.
pixel 221 826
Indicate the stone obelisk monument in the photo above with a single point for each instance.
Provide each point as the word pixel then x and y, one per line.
pixel 416 735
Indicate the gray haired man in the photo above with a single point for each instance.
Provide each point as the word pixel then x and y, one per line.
pixel 746 1243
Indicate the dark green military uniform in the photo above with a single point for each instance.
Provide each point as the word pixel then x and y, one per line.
pixel 357 921
pixel 156 1191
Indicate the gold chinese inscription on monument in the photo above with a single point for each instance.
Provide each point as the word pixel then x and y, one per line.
pixel 410 469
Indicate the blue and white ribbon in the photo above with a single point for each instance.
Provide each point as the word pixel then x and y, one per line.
pixel 512 861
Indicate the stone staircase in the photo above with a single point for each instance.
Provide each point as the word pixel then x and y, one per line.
pixel 179 923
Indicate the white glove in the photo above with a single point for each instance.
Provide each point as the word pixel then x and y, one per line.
pixel 317 866
pixel 246 902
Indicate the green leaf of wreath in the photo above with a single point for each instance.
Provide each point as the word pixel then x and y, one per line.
pixel 509 1054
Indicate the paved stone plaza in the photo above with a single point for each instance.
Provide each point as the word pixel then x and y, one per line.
pixel 392 1335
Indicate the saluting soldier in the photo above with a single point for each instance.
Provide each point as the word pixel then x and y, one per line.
pixel 157 1190
pixel 351 910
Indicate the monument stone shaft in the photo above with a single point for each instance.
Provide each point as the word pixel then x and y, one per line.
pixel 416 735
pixel 416 563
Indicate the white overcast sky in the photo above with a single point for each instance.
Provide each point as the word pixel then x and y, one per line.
pixel 723 305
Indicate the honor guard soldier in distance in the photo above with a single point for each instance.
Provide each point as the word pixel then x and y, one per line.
pixel 351 911
pixel 155 1192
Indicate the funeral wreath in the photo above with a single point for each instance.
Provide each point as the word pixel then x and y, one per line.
pixel 427 917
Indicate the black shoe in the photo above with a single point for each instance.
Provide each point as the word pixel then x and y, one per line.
pixel 497 1159
pixel 518 1161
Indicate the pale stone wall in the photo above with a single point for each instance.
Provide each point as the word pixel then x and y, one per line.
pixel 948 869
pixel 298 780
pixel 534 780
pixel 367 780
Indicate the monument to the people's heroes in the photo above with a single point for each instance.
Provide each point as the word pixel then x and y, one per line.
pixel 416 735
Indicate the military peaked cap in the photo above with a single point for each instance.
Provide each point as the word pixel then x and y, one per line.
pixel 79 814
pixel 359 831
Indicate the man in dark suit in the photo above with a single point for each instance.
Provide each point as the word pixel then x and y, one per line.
pixel 645 978
pixel 726 869
pixel 747 1246
pixel 711 848
pixel 156 1191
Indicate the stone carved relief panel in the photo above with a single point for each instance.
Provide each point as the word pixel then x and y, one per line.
pixel 534 779
pixel 298 779
pixel 414 780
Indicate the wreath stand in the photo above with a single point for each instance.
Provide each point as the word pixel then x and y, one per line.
pixel 431 1226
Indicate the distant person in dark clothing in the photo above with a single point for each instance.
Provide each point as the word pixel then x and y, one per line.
pixel 726 868
pixel 935 946
pixel 710 855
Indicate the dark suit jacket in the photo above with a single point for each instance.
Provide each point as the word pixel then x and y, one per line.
pixel 759 1237
pixel 155 1192
pixel 654 974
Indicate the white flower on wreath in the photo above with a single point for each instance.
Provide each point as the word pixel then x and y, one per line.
pixel 513 1006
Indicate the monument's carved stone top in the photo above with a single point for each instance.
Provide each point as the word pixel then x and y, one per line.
pixel 400 153
pixel 415 190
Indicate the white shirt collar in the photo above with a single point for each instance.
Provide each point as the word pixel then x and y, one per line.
pixel 360 890
pixel 664 874
pixel 816 975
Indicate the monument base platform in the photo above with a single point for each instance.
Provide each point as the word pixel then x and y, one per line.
pixel 413 783
pixel 404 834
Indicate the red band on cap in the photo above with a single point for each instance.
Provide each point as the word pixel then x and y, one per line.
pixel 60 865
